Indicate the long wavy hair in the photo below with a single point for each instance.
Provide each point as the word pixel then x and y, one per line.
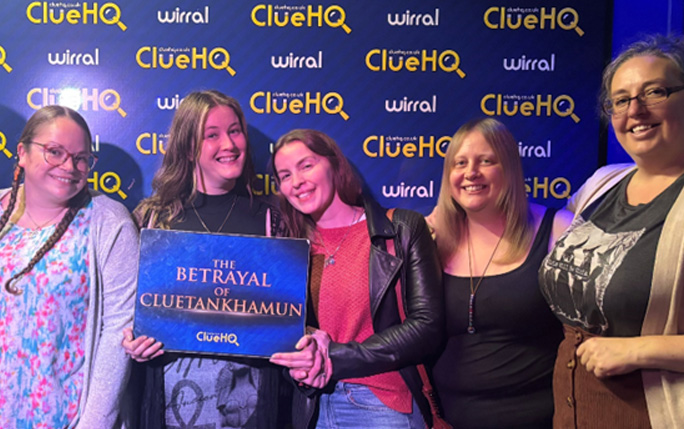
pixel 667 47
pixel 175 183
pixel 41 117
pixel 512 202
pixel 347 184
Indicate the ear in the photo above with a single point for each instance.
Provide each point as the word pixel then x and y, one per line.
pixel 22 153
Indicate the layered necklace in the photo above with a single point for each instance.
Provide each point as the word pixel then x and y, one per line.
pixel 220 228
pixel 473 290
pixel 330 256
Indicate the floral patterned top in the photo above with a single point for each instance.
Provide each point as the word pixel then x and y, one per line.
pixel 42 330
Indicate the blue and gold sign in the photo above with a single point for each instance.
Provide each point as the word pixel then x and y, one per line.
pixel 221 294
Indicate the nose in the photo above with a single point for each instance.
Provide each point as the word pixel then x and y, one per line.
pixel 297 179
pixel 635 107
pixel 227 142
pixel 472 172
pixel 69 163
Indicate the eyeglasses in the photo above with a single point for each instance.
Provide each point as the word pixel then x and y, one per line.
pixel 649 97
pixel 56 155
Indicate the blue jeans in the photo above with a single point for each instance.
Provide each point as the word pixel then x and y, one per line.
pixel 355 406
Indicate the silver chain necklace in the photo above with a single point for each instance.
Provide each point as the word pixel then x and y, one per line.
pixel 330 257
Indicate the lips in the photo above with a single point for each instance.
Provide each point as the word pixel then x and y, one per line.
pixel 66 180
pixel 228 158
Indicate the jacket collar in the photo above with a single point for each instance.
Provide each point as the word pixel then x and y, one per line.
pixel 379 226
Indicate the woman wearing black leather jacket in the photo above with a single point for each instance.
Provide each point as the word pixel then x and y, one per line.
pixel 357 369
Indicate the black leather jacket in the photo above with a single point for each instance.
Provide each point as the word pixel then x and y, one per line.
pixel 395 345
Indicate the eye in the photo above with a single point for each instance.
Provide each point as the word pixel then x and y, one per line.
pixel 210 136
pixel 459 163
pixel 55 151
pixel 235 131
pixel 656 92
pixel 82 159
pixel 620 102
pixel 283 176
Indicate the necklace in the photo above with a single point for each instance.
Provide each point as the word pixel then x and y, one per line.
pixel 206 228
pixel 330 257
pixel 473 290
pixel 39 227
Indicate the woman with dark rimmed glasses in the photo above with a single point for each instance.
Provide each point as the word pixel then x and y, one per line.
pixel 616 277
pixel 68 286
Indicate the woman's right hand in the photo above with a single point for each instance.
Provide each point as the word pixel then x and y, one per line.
pixel 141 349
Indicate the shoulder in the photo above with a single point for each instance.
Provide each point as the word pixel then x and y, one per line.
pixel 597 184
pixel 107 210
pixel 561 222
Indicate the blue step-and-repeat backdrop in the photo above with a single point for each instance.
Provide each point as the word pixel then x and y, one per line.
pixel 390 81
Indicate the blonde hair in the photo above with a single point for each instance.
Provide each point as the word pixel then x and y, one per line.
pixel 512 201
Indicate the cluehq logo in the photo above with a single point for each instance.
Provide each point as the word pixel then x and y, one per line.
pixel 152 57
pixel 108 182
pixel 540 187
pixel 151 143
pixel 333 16
pixel 3 146
pixel 397 60
pixel 409 147
pixel 528 105
pixel 76 13
pixel 84 99
pixel 3 60
pixel 501 18
pixel 279 103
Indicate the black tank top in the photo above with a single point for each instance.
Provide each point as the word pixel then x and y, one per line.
pixel 500 377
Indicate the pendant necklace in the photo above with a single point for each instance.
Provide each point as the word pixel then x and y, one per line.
pixel 330 257
pixel 40 227
pixel 473 290
pixel 206 228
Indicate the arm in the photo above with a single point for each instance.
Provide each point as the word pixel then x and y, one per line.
pixel 421 334
pixel 115 240
pixel 607 357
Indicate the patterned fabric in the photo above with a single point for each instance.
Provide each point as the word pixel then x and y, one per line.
pixel 42 339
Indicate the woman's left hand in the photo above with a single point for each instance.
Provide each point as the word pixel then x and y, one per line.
pixel 309 365
pixel 606 357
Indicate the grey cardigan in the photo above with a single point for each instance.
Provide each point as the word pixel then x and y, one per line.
pixel 112 252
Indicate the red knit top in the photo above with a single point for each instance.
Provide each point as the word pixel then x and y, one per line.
pixel 341 300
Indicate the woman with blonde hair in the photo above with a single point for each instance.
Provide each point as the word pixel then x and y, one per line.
pixel 495 370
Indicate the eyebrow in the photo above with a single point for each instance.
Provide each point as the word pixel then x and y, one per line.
pixel 658 81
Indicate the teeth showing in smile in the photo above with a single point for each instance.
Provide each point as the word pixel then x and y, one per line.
pixel 65 180
pixel 472 188
pixel 303 195
pixel 640 128
pixel 227 158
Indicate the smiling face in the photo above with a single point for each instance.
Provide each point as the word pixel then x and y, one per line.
pixel 652 133
pixel 223 151
pixel 54 184
pixel 306 179
pixel 476 177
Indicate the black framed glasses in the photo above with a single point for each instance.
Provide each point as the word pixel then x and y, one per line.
pixel 56 155
pixel 648 97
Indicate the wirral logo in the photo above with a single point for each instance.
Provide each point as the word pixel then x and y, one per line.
pixel 179 16
pixel 411 19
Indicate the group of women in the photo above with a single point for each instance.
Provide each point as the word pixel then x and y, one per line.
pixel 525 317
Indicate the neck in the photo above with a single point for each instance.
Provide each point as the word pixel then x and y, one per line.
pixel 337 215
pixel 486 222
pixel 41 210
pixel 225 187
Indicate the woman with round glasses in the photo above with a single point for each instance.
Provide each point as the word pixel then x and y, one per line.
pixel 616 277
pixel 67 283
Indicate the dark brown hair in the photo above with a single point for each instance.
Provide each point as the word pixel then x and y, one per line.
pixel 347 184
pixel 44 116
